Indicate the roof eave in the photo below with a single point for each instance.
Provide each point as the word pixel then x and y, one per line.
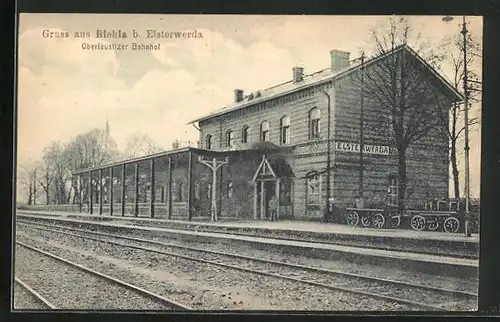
pixel 129 161
pixel 332 77
pixel 338 75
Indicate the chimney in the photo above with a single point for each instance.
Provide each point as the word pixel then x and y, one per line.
pixel 176 144
pixel 298 74
pixel 339 60
pixel 238 95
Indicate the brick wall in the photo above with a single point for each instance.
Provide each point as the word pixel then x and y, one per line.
pixel 427 160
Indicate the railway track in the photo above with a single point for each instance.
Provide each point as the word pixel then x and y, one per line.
pixel 35 295
pixel 107 285
pixel 412 294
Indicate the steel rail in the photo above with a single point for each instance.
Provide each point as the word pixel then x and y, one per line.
pixel 251 258
pixel 37 295
pixel 155 297
pixel 311 268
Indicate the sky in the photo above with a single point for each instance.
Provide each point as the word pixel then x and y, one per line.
pixel 64 90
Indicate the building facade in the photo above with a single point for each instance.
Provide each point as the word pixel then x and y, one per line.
pixel 299 141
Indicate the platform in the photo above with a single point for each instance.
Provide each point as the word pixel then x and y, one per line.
pixel 389 239
pixel 295 225
pixel 435 264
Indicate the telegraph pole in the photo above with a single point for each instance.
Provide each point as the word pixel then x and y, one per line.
pixel 466 121
pixel 214 165
pixel 361 121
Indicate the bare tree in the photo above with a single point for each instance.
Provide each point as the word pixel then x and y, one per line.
pixel 86 150
pixel 140 145
pixel 26 177
pixel 453 52
pixel 400 85
pixel 45 181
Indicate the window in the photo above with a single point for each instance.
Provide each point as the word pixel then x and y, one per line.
pixel 245 134
pixel 285 130
pixel 208 142
pixel 392 192
pixel 229 138
pixel 179 192
pixel 314 122
pixel 230 189
pixel 264 131
pixel 285 192
pixel 314 188
pixel 197 191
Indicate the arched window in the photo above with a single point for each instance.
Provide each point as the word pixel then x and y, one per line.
pixel 285 130
pixel 230 189
pixel 245 134
pixel 393 191
pixel 314 122
pixel 208 142
pixel 264 131
pixel 314 188
pixel 229 138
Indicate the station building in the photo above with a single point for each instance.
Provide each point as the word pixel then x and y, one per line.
pixel 299 141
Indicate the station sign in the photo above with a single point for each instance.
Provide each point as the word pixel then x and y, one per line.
pixel 367 148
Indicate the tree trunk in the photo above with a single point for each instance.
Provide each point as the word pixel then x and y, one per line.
pixel 401 178
pixel 454 166
pixel 30 193
pixel 34 187
pixel 47 188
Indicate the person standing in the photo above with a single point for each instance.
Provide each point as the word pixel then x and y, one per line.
pixel 273 207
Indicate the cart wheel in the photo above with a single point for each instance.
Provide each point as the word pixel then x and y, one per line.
pixel 433 225
pixel 417 222
pixel 396 221
pixel 352 218
pixel 451 225
pixel 366 221
pixel 378 220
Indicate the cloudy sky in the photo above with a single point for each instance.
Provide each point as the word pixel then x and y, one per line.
pixel 64 90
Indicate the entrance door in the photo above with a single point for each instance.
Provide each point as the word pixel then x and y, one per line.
pixel 269 189
pixel 265 192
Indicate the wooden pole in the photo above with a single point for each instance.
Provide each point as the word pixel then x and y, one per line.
pixel 214 165
pixel 100 191
pixel 91 195
pixel 80 189
pixel 214 191
pixel 136 200
pixel 153 191
pixel 277 191
pixel 255 192
pixel 123 190
pixel 361 129
pixel 262 200
pixel 110 192
pixel 190 177
pixel 169 192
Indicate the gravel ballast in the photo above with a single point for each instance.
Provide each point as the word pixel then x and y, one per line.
pixel 24 300
pixel 204 286
pixel 69 288
pixel 366 269
pixel 429 297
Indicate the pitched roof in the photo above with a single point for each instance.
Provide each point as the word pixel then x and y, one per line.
pixel 317 78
